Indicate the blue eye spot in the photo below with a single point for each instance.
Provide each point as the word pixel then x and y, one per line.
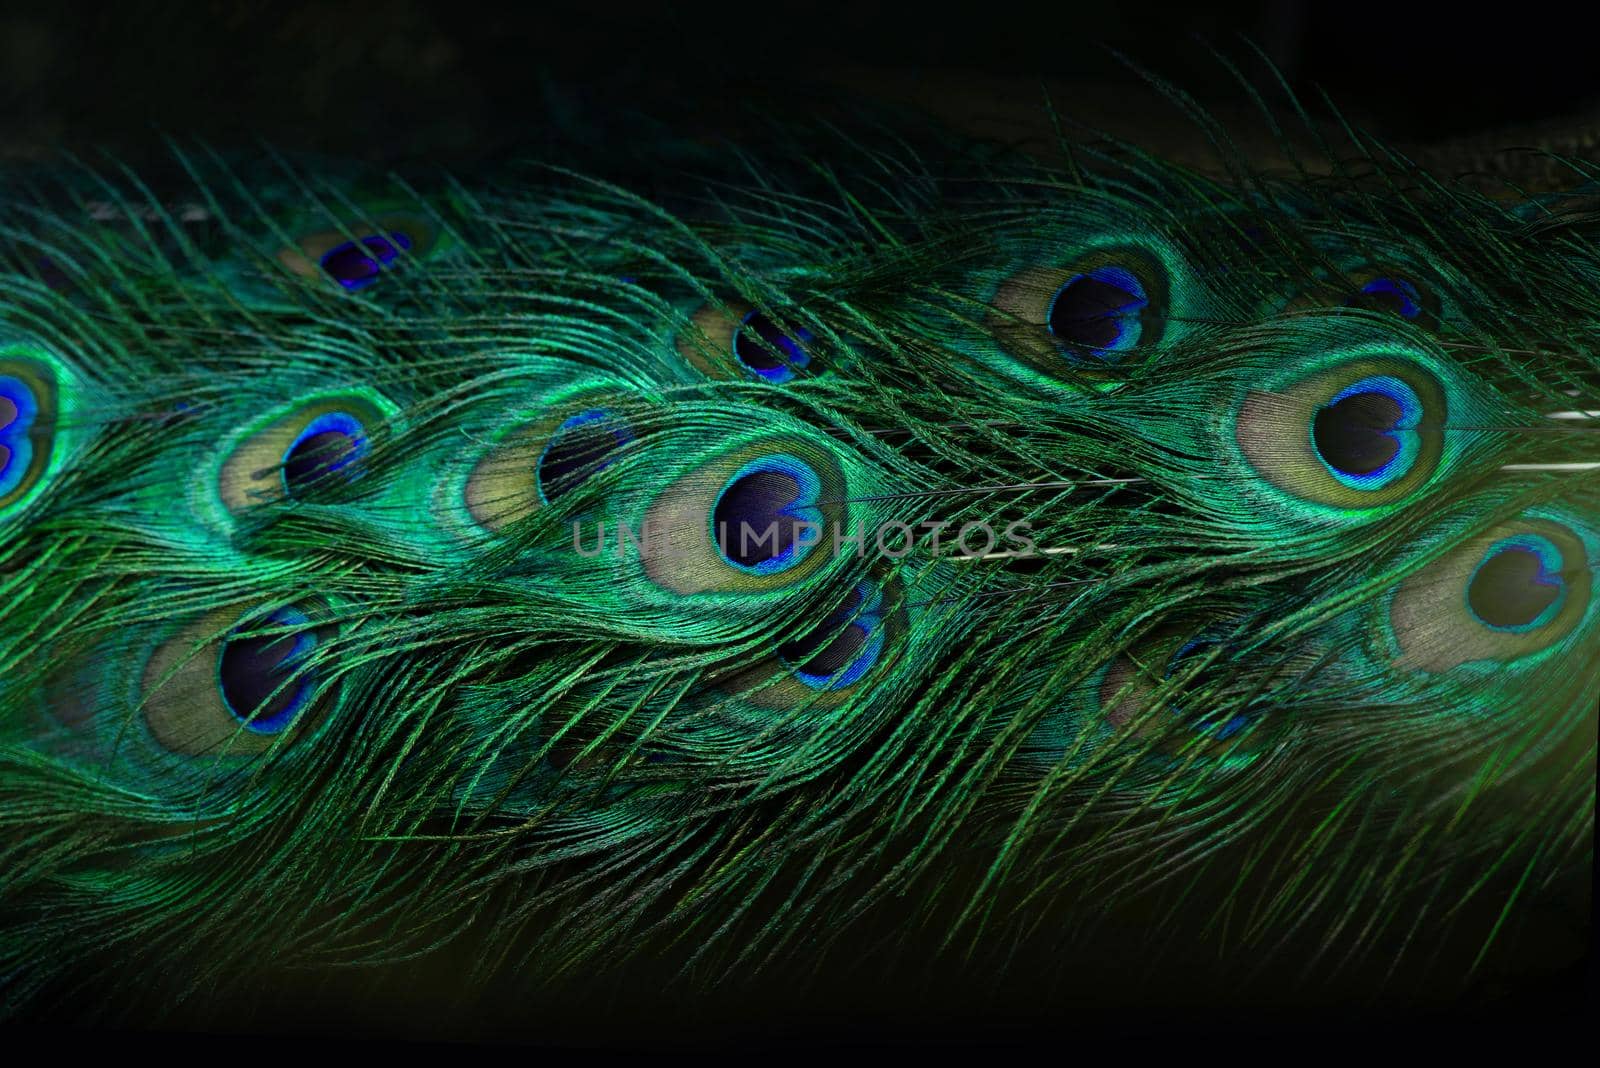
pixel 768 352
pixel 18 410
pixel 1389 294
pixel 1365 435
pixel 580 447
pixel 844 647
pixel 329 443
pixel 1098 312
pixel 766 519
pixel 1518 586
pixel 358 263
pixel 251 670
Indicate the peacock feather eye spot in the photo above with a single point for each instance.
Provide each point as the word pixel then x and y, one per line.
pixel 748 517
pixel 580 447
pixel 1365 435
pixel 767 351
pixel 1389 294
pixel 1501 599
pixel 1354 435
pixel 1098 311
pixel 238 681
pixel 1080 317
pixel 256 673
pixel 329 443
pixel 302 448
pixel 355 264
pixel 829 663
pixel 1360 434
pixel 530 465
pixel 763 513
pixel 30 395
pixel 844 647
pixel 1518 586
pixel 18 408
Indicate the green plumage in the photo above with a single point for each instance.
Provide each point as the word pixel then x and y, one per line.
pixel 362 596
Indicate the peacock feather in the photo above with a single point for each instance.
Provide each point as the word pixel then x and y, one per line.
pixel 934 553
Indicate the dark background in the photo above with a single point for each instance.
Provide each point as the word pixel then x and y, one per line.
pixel 407 78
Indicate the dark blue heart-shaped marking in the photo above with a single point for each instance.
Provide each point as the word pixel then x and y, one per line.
pixel 358 263
pixel 1099 312
pixel 582 446
pixel 1366 433
pixel 831 658
pixel 768 351
pixel 1518 586
pixel 329 443
pixel 18 410
pixel 766 518
pixel 254 673
pixel 1389 294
